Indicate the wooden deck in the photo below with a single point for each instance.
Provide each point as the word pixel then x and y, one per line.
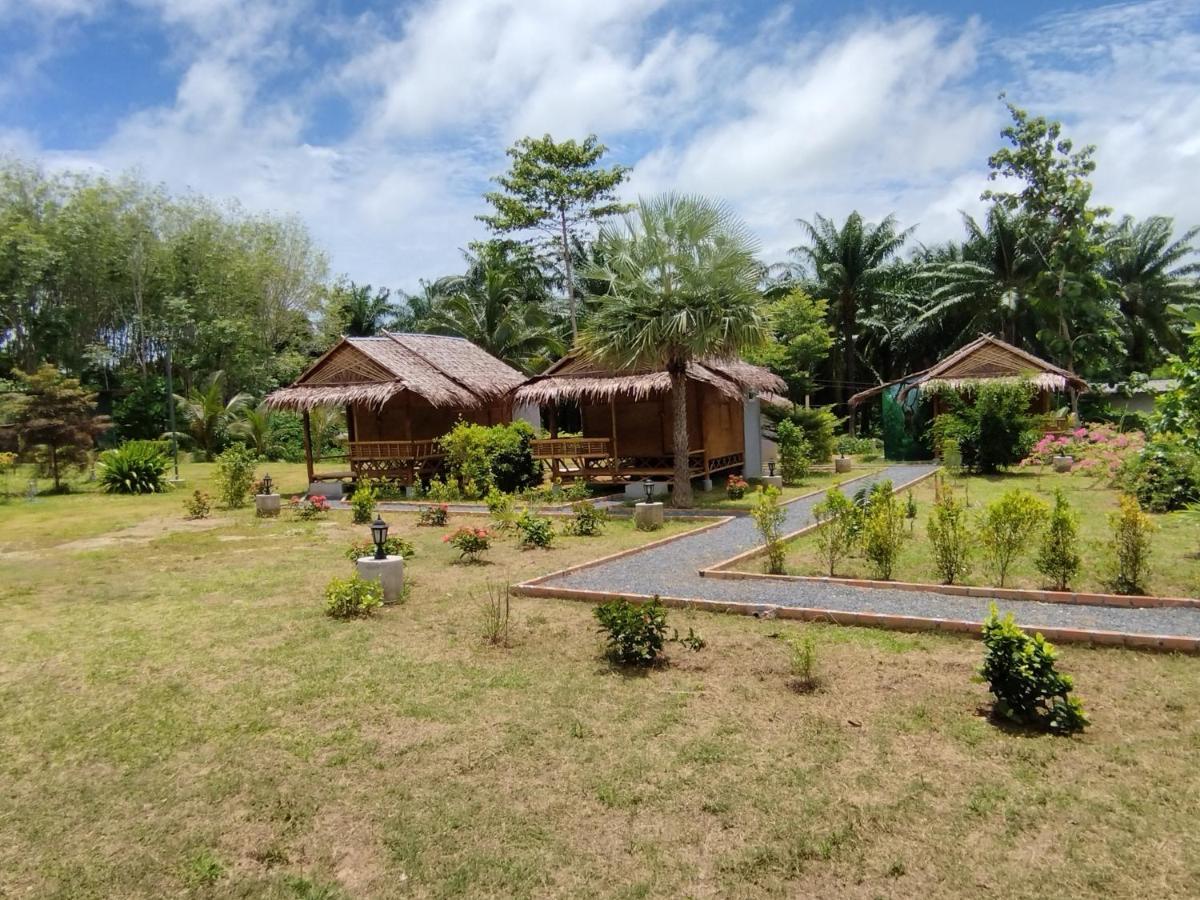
pixel 591 459
pixel 400 461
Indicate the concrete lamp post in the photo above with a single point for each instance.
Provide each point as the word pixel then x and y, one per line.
pixel 648 516
pixel 387 570
pixel 266 502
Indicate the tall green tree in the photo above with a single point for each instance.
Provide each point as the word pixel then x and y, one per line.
pixel 800 341
pixel 356 310
pixel 1154 275
pixel 681 283
pixel 557 188
pixel 54 411
pixel 498 304
pixel 849 268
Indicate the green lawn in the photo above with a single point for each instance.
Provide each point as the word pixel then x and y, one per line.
pixel 178 719
pixel 1175 562
pixel 816 481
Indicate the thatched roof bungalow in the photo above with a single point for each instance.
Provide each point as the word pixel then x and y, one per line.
pixel 401 392
pixel 984 360
pixel 627 422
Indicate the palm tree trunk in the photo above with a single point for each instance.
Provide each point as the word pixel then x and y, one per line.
pixel 848 386
pixel 683 478
pixel 566 246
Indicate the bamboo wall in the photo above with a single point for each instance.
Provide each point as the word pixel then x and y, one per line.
pixel 411 418
pixel 644 427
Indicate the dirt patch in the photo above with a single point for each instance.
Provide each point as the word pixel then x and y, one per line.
pixel 141 533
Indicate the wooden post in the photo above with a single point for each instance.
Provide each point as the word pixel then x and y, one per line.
pixel 553 417
pixel 612 412
pixel 700 428
pixel 308 447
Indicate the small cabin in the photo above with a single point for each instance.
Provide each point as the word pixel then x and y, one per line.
pixel 911 403
pixel 400 393
pixel 627 426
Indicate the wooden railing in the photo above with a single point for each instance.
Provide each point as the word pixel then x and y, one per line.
pixel 394 450
pixel 572 448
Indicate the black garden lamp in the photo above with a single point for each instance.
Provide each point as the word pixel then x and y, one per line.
pixel 771 467
pixel 379 530
pixel 267 483
pixel 648 487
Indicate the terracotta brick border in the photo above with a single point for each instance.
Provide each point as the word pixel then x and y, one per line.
pixel 1081 598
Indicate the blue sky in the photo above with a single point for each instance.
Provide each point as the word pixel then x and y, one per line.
pixel 379 124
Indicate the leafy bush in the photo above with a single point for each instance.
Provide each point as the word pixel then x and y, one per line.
pixel 883 531
pixel 768 514
pixel 950 537
pixel 136 467
pixel 311 507
pixel 197 506
pixel 436 515
pixel 1058 557
pixel 818 425
pixel 1007 527
pixel 803 662
pixel 991 423
pixel 441 491
pixel 793 452
pixel 469 542
pixel 480 457
pixel 856 445
pixel 736 487
pixel 353 597
pixel 392 546
pixel 286 437
pixel 500 506
pixel 635 633
pixel 139 411
pixel 234 475
pixel 587 519
pixel 1131 545
pixel 1164 475
pixel 534 530
pixel 362 504
pixel 1020 672
pixel 838 518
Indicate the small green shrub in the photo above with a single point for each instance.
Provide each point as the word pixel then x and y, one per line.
pixel 587 519
pixel 577 490
pixel 1058 557
pixel 469 542
pixel 803 663
pixel 690 641
pixel 818 425
pixel 635 633
pixel 794 452
pixel 1006 529
pixel 1131 545
pixel 480 457
pixel 883 531
pixel 534 530
pixel 441 491
pixel 392 546
pixel 1021 674
pixel 136 467
pixel 353 597
pixel 769 515
pixel 1163 476
pixel 950 538
pixel 197 506
pixel 910 511
pixel 362 504
pixel 435 515
pixel 235 475
pixel 838 519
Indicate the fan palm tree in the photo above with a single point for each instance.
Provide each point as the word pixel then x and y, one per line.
pixel 987 289
pixel 207 413
pixel 1152 278
pixel 680 282
pixel 848 267
pixel 497 305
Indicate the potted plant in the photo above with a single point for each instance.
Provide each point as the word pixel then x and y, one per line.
pixel 736 487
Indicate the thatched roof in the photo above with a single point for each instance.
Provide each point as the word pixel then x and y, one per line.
pixel 445 371
pixel 985 360
pixel 577 378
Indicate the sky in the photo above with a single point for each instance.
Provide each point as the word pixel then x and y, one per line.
pixel 379 125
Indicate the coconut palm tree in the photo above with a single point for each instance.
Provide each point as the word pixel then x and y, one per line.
pixel 206 412
pixel 848 267
pixel 1153 279
pixel 254 425
pixel 679 283
pixel 498 304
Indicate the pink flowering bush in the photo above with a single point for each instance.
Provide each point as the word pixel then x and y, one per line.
pixel 311 507
pixel 469 542
pixel 1098 450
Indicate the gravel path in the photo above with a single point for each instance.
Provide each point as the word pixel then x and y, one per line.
pixel 672 570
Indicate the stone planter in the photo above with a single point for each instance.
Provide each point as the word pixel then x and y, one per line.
pixel 842 463
pixel 1063 463
pixel 772 481
pixel 388 572
pixel 266 505
pixel 648 516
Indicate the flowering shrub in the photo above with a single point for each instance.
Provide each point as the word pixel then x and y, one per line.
pixel 736 487
pixel 312 507
pixel 1099 450
pixel 469 542
pixel 437 515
